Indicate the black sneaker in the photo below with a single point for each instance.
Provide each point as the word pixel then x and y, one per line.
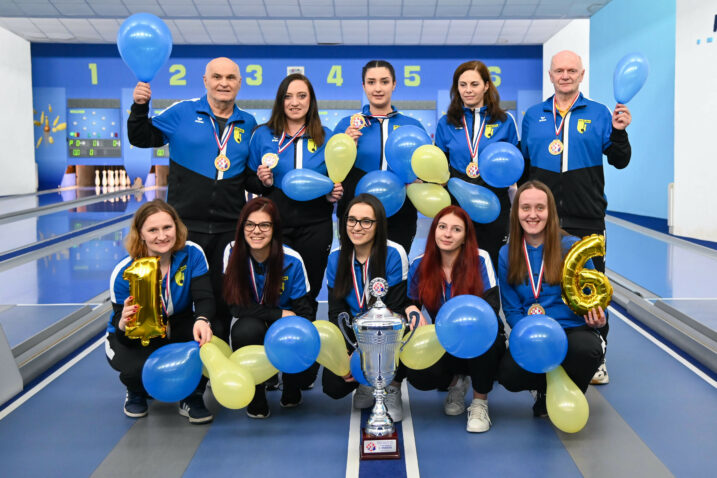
pixel 193 408
pixel 259 407
pixel 135 405
pixel 309 386
pixel 290 398
pixel 272 384
pixel 539 408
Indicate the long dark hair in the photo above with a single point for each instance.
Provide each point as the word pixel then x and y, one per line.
pixel 377 64
pixel 377 263
pixel 237 283
pixel 277 121
pixel 491 98
pixel 552 248
pixel 465 276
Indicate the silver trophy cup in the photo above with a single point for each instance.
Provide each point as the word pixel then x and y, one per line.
pixel 379 333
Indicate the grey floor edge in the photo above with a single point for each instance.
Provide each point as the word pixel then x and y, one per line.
pixel 162 444
pixel 608 447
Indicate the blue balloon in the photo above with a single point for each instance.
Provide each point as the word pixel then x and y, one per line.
pixel 481 204
pixel 306 184
pixel 538 343
pixel 387 187
pixel 356 369
pixel 629 76
pixel 144 43
pixel 501 164
pixel 172 372
pixel 466 326
pixel 400 145
pixel 292 344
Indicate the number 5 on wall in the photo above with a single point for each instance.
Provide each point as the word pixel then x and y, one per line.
pixel 411 76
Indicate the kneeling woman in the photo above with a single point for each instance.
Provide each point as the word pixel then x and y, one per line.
pixel 186 298
pixel 263 282
pixel 530 269
pixel 365 254
pixel 453 265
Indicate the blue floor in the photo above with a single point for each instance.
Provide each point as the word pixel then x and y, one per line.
pixel 74 420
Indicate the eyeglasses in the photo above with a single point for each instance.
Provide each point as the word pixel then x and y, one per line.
pixel 263 226
pixel 363 223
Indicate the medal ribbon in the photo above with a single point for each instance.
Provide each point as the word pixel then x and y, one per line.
pixel 555 115
pixel 253 284
pixel 473 145
pixel 536 290
pixel 291 140
pixel 378 117
pixel 360 298
pixel 225 137
pixel 167 293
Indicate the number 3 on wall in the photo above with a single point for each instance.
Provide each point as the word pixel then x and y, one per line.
pixel 257 79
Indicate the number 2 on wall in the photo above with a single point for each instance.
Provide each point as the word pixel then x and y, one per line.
pixel 178 78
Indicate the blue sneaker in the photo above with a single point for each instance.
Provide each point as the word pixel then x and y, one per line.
pixel 193 408
pixel 135 405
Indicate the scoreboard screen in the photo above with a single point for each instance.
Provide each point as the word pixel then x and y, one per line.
pixel 93 128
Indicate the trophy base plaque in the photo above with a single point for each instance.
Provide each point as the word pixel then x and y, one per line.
pixel 379 448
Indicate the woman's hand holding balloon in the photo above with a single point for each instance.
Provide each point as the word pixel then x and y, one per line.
pixel 287 313
pixel 265 175
pixel 202 331
pixel 128 313
pixel 421 319
pixel 595 317
pixel 142 93
pixel 349 378
pixel 621 117
pixel 354 132
pixel 336 194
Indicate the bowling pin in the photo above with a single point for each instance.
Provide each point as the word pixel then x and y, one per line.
pixel 97 178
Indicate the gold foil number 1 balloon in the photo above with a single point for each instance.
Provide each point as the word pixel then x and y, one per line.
pixel 144 285
pixel 585 289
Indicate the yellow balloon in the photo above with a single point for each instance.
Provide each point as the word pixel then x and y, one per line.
pixel 232 384
pixel 254 359
pixel 339 154
pixel 429 163
pixel 428 198
pixel 567 406
pixel 333 354
pixel 576 279
pixel 145 280
pixel 224 348
pixel 423 350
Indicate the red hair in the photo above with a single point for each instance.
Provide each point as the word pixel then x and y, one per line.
pixel 465 276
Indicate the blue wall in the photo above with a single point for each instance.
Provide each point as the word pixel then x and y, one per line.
pixel 648 27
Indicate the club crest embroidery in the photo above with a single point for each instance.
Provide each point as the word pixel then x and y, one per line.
pixel 489 130
pixel 582 125
pixel 237 134
pixel 179 276
pixel 311 146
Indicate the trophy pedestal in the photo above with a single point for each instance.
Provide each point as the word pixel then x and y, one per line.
pixel 379 448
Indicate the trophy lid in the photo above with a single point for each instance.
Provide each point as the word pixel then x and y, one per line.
pixel 378 315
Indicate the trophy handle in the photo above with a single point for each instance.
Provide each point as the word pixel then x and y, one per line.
pixel 344 318
pixel 415 318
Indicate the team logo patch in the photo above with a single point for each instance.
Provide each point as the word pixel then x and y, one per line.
pixel 489 129
pixel 179 276
pixel 237 134
pixel 396 126
pixel 311 146
pixel 582 125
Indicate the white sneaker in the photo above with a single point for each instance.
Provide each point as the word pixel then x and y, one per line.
pixel 601 377
pixel 478 419
pixel 394 405
pixel 363 397
pixel 455 402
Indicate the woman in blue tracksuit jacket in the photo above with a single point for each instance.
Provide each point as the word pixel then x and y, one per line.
pixel 264 281
pixel 473 121
pixel 370 129
pixel 530 270
pixel 293 138
pixel 187 304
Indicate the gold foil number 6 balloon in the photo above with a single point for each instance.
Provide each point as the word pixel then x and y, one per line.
pixel 585 289
pixel 144 285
